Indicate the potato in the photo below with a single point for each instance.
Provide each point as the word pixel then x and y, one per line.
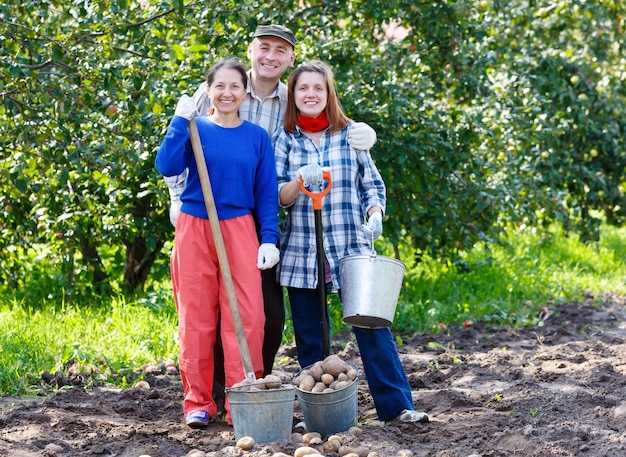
pixel 318 387
pixel 244 384
pixel 273 382
pixel 331 445
pixel 307 437
pixel 315 441
pixel 351 373
pixel 345 450
pixel 246 443
pixel 305 450
pixel 362 451
pixel 317 371
pixel 343 377
pixel 355 431
pixel 336 438
pixel 341 384
pixel 328 378
pixel 306 383
pixel 404 453
pixel 333 365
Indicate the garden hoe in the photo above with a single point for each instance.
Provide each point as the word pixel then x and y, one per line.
pixel 319 242
pixel 207 191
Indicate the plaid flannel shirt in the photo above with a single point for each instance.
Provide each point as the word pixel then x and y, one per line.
pixel 356 186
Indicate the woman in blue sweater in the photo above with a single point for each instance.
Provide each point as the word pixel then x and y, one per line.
pixel 241 167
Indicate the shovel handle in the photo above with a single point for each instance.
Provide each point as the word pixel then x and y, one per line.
pixel 317 196
pixel 207 191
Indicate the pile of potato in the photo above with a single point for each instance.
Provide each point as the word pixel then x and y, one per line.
pixel 268 382
pixel 327 375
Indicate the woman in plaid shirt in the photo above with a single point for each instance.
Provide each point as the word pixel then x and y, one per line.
pixel 315 139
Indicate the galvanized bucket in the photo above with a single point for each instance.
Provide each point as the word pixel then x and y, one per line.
pixel 330 412
pixel 264 415
pixel 370 287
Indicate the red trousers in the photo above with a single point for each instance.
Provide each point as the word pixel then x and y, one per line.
pixel 201 301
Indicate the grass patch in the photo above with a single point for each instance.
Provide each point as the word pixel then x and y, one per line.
pixel 105 343
pixel 509 282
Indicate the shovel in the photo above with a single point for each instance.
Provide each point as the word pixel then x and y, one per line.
pixel 319 242
pixel 209 201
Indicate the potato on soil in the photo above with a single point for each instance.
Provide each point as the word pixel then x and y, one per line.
pixel 305 450
pixel 331 445
pixel 307 437
pixel 246 443
pixel 345 450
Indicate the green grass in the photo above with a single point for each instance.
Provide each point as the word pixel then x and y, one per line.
pixel 104 343
pixel 508 283
pixel 503 284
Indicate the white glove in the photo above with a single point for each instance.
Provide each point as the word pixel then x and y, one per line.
pixel 268 256
pixel 374 226
pixel 186 108
pixel 175 186
pixel 361 136
pixel 311 174
pixel 175 211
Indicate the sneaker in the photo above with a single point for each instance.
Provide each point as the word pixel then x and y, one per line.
pixel 198 419
pixel 409 415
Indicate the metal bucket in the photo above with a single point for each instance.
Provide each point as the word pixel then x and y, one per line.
pixel 330 412
pixel 264 415
pixel 370 287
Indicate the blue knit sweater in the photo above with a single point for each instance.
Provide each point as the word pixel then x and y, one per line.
pixel 241 169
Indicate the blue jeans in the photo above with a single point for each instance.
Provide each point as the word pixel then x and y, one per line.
pixel 385 376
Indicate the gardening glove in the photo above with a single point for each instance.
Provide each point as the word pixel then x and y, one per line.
pixel 374 226
pixel 186 108
pixel 175 186
pixel 361 136
pixel 268 256
pixel 310 174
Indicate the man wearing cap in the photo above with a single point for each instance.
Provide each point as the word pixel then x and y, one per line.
pixel 271 53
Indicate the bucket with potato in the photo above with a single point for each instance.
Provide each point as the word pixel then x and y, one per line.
pixel 262 409
pixel 327 394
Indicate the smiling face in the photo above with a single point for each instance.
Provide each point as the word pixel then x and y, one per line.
pixel 227 90
pixel 270 57
pixel 310 93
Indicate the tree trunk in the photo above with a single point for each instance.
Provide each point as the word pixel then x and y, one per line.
pixel 139 260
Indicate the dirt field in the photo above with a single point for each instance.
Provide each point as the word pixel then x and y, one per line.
pixel 558 389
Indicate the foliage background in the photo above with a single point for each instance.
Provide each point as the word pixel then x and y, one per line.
pixel 490 114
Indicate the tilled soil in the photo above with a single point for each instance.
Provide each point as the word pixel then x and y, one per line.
pixel 556 389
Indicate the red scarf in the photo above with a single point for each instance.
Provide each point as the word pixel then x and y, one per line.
pixel 313 124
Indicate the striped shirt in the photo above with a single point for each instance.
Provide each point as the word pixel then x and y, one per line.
pixel 356 187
